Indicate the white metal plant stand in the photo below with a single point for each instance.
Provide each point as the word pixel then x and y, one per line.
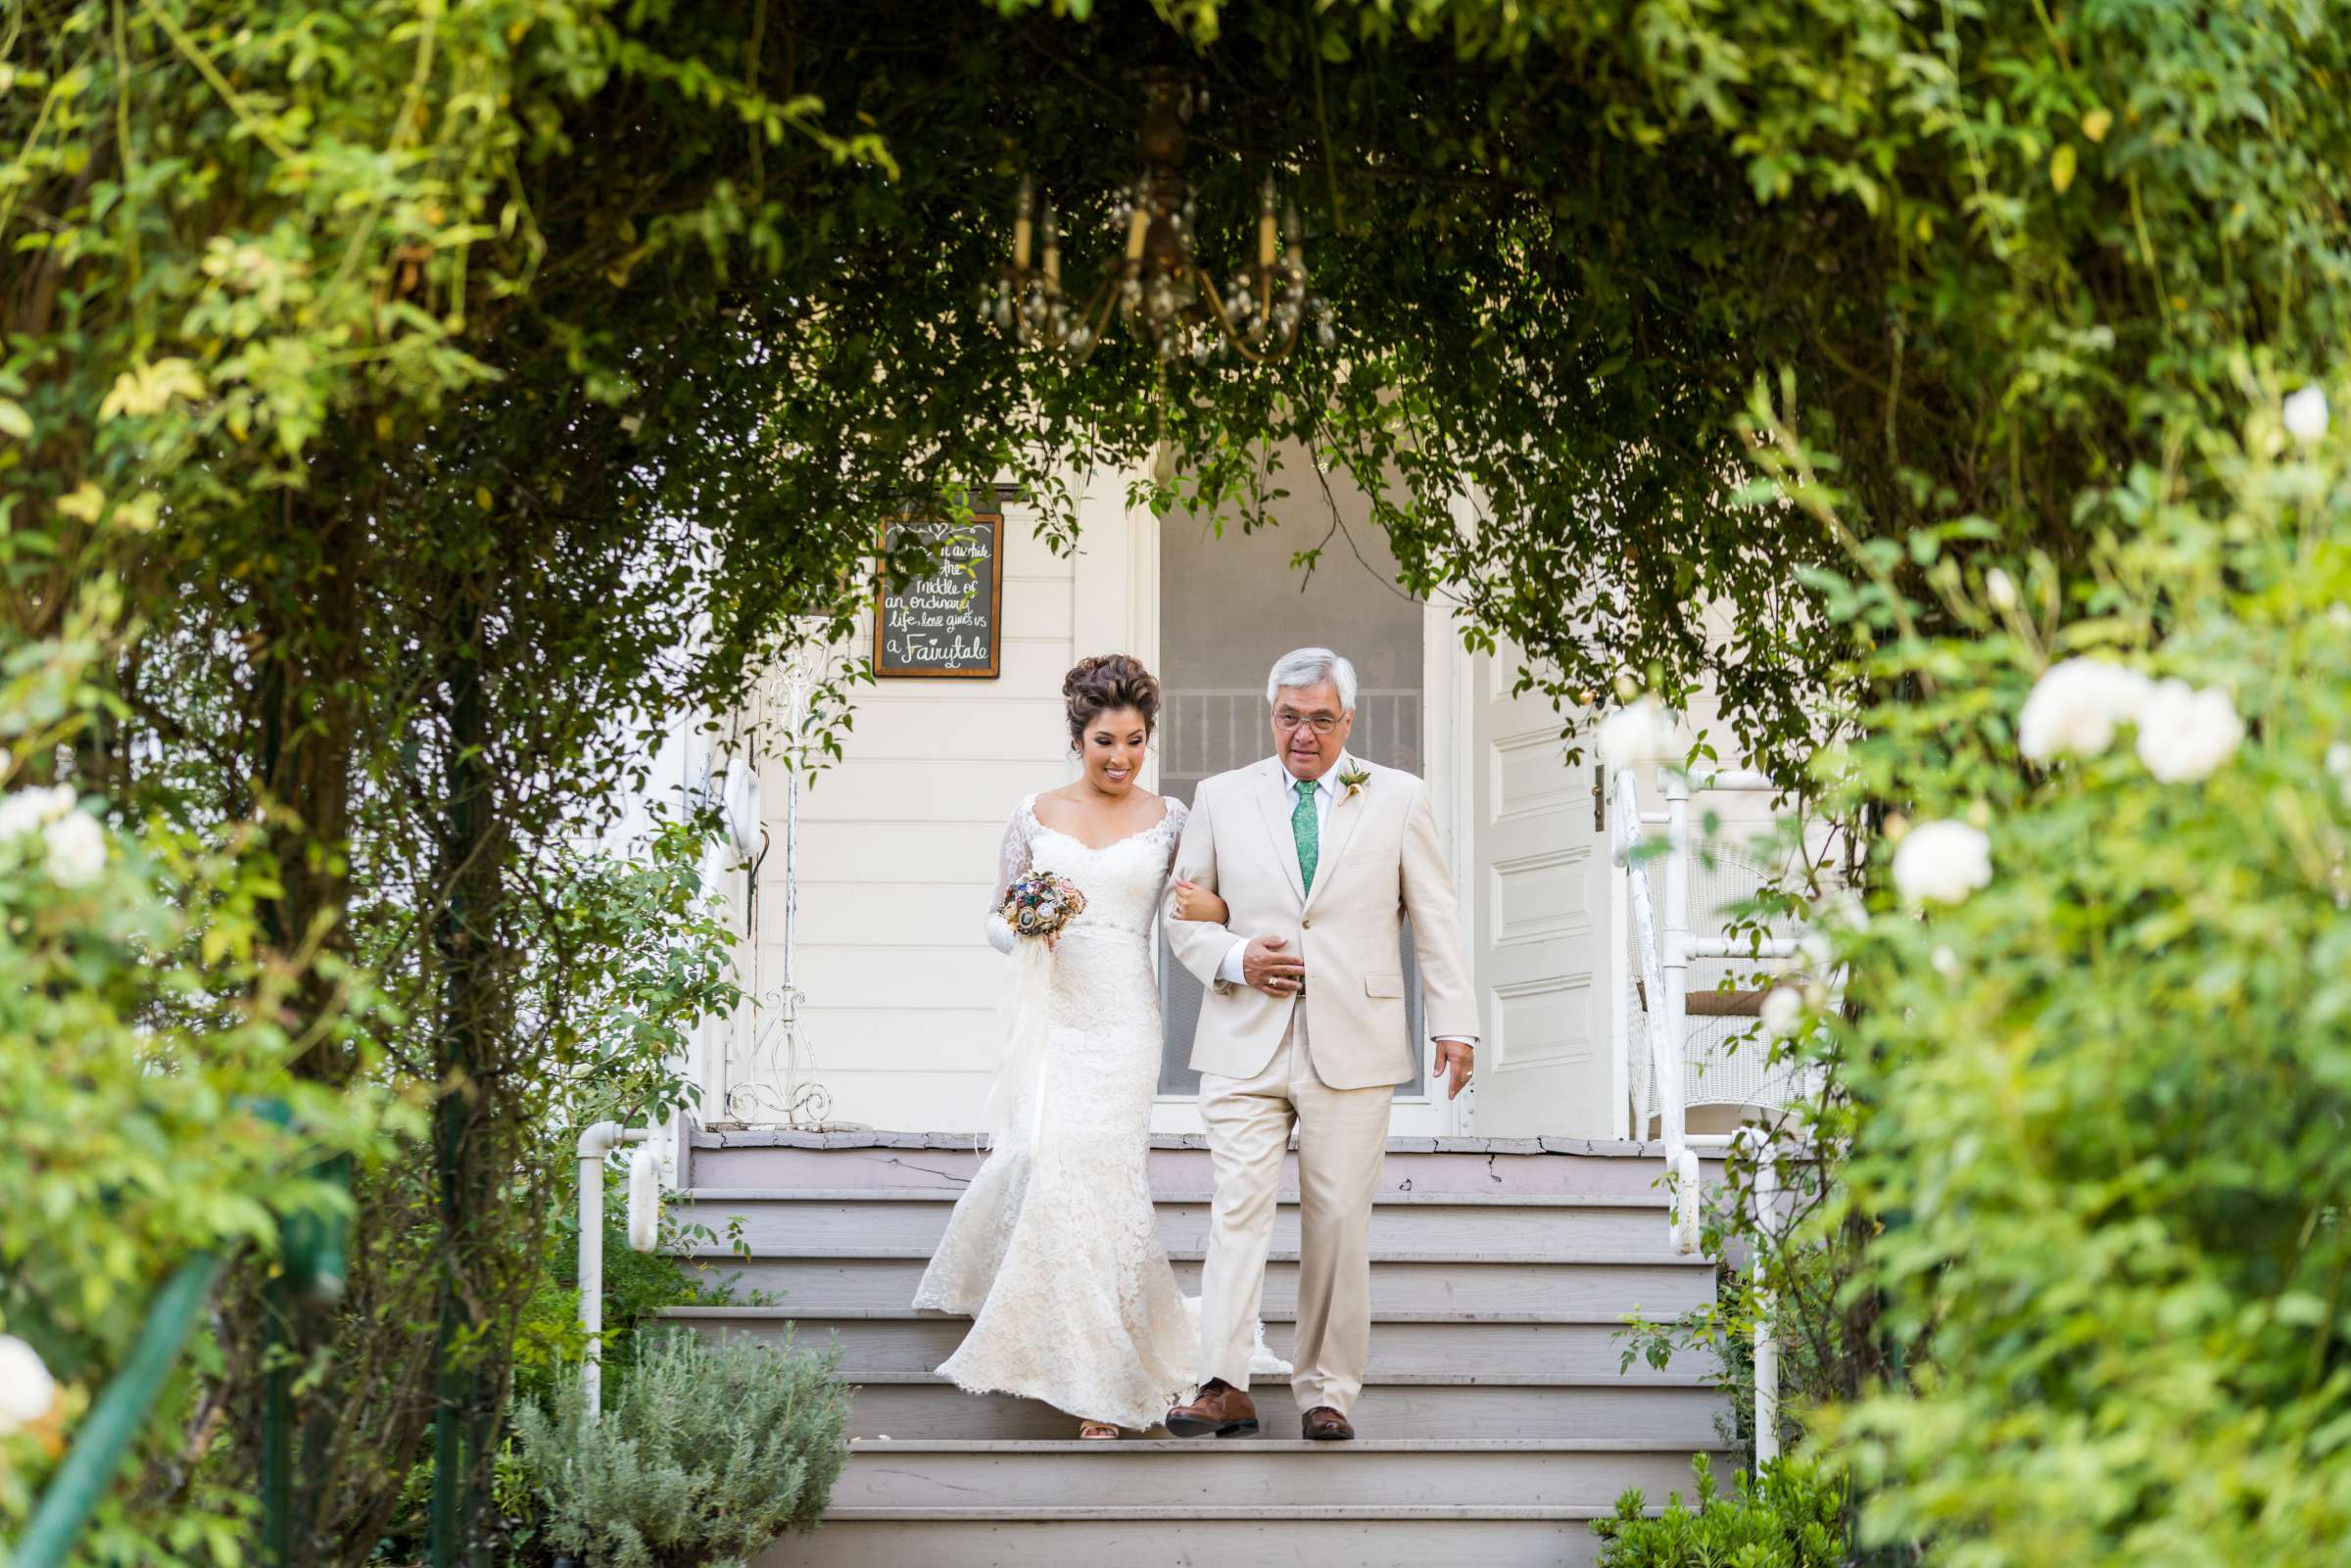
pixel 769 1084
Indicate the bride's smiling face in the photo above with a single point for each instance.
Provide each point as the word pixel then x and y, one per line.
pixel 1113 747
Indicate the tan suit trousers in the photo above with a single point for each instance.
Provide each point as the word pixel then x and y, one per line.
pixel 1342 1138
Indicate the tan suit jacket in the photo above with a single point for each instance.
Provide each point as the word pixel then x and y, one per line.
pixel 1378 861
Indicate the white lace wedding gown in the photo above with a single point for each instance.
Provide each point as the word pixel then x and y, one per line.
pixel 1054 1249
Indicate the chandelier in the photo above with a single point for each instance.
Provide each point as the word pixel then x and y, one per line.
pixel 1159 290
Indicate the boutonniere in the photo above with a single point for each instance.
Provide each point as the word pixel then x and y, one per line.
pixel 1355 778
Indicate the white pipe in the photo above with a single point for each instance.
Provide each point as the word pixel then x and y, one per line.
pixel 1692 946
pixel 1743 779
pixel 596 1143
pixel 1768 1341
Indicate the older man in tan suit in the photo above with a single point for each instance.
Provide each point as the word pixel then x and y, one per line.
pixel 1319 857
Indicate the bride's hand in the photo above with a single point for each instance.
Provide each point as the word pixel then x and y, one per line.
pixel 1196 903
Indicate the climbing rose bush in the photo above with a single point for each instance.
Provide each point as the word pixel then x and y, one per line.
pixel 143 1025
pixel 2101 1101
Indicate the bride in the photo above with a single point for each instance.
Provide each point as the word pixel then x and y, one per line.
pixel 1054 1249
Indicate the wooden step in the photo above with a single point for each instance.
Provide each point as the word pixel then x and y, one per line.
pixel 1243 1536
pixel 1467 1282
pixel 1515 1349
pixel 1179 1163
pixel 1283 1472
pixel 778 1223
pixel 919 1407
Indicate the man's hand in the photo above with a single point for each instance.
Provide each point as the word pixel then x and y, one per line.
pixel 1456 1060
pixel 1269 969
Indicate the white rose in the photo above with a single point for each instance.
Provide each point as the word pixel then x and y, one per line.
pixel 1783 1011
pixel 2306 414
pixel 1640 732
pixel 28 809
pixel 2075 707
pixel 2185 735
pixel 1945 961
pixel 1842 910
pixel 27 1390
pixel 1942 861
pixel 77 850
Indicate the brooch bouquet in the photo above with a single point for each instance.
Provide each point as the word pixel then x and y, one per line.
pixel 1042 904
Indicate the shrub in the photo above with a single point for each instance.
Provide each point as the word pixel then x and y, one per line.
pixel 2104 1093
pixel 1794 1517
pixel 146 1022
pixel 710 1451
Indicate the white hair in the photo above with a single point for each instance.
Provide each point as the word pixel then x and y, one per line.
pixel 1310 666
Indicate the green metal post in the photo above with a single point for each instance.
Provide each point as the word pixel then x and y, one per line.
pixel 115 1419
pixel 277 1425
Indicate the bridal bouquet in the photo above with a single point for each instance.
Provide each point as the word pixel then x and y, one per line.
pixel 1042 904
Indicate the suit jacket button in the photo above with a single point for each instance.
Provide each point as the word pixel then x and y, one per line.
pixel 1305 924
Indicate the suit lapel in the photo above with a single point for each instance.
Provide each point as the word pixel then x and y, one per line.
pixel 1345 814
pixel 1268 782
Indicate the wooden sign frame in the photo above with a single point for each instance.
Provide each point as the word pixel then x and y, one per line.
pixel 992 522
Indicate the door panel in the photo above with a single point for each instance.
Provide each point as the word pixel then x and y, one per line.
pixel 1539 895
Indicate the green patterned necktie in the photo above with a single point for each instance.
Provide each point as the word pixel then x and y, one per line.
pixel 1307 831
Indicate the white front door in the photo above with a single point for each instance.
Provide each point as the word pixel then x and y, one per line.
pixel 1538 907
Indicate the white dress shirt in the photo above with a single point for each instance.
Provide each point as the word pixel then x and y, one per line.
pixel 1326 794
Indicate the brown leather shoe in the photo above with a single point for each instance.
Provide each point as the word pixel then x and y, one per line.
pixel 1218 1407
pixel 1322 1424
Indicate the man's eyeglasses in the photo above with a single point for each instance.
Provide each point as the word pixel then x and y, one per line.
pixel 1320 723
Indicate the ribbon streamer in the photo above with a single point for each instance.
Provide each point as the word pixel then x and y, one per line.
pixel 1022 1070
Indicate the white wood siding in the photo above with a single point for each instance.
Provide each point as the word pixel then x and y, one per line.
pixel 899 841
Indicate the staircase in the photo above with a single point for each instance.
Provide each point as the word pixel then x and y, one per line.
pixel 1495 1422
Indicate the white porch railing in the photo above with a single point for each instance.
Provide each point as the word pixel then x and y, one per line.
pixel 1667 947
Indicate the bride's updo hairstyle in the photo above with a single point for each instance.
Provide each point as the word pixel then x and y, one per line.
pixel 1105 684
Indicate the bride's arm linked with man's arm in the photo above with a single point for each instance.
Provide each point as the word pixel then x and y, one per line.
pixel 1221 958
pixel 1198 945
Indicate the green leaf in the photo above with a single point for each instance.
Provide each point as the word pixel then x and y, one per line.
pixel 2061 167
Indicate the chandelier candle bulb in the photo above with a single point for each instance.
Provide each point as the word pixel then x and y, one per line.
pixel 1139 225
pixel 1052 247
pixel 1020 228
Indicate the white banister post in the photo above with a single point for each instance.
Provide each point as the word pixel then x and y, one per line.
pixel 1674 940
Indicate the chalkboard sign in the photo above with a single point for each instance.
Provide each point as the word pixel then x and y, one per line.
pixel 945 625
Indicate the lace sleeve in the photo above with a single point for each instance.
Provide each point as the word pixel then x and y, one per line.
pixel 1011 864
pixel 1177 814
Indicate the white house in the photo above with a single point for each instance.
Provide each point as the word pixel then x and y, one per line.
pixel 1514 1232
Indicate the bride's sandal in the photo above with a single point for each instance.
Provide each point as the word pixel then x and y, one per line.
pixel 1097 1432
